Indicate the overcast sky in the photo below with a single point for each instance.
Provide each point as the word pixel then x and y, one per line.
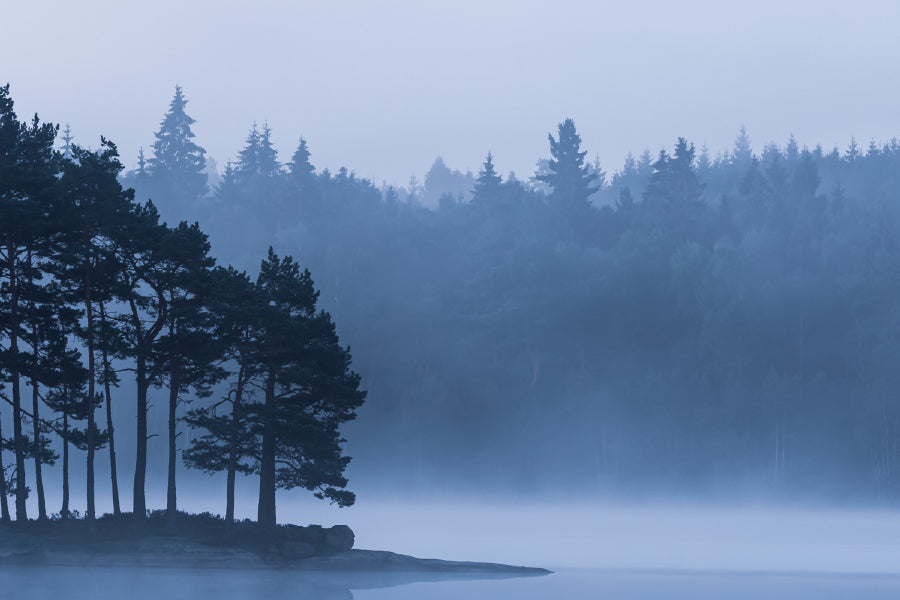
pixel 384 87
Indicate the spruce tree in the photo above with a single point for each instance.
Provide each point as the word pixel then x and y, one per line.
pixel 268 156
pixel 300 167
pixel 743 151
pixel 176 172
pixel 487 186
pixel 249 163
pixel 569 178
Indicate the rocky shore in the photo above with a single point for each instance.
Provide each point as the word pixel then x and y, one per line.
pixel 204 543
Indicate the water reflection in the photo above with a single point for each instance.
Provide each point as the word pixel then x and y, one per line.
pixel 98 583
pixel 146 583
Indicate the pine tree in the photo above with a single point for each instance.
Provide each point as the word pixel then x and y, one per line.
pixel 792 150
pixel 743 151
pixel 68 397
pixel 674 181
pixel 704 162
pixel 249 163
pixel 853 154
pixel 47 319
pixel 96 206
pixel 229 441
pixel 414 190
pixel 138 244
pixel 308 390
pixel 487 186
pixel 177 170
pixel 570 180
pixel 300 167
pixel 686 184
pixel 268 156
pixel 28 170
pixel 186 356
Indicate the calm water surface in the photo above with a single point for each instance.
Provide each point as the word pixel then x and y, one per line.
pixel 173 584
pixel 598 552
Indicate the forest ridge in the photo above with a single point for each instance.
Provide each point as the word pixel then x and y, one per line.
pixel 705 325
pixel 688 324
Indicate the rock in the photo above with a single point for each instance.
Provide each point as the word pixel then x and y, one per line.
pixel 339 538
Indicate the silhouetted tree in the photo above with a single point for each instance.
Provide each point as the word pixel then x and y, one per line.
pixel 96 205
pixel 139 248
pixel 569 178
pixel 309 390
pixel 186 356
pixel 68 397
pixel 487 186
pixel 229 442
pixel 28 167
pixel 48 320
pixel 176 171
pixel 300 167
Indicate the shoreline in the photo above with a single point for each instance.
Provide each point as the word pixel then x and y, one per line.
pixel 355 561
pixel 311 549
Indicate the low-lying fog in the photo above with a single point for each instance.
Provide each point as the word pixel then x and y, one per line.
pixel 582 535
pixel 625 552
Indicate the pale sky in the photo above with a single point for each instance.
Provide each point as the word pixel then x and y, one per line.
pixel 384 87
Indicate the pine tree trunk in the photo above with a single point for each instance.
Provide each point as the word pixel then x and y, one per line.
pixel 144 340
pixel 38 474
pixel 64 511
pixel 266 507
pixel 232 446
pixel 18 438
pixel 140 463
pixel 35 416
pixel 4 504
pixel 92 378
pixel 113 474
pixel 171 494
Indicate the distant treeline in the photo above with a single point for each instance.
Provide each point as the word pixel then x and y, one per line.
pixel 688 324
pixel 93 284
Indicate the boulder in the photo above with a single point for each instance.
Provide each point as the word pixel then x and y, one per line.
pixel 339 538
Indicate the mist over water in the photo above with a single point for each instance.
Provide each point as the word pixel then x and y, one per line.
pixel 596 550
pixel 601 536
pixel 657 355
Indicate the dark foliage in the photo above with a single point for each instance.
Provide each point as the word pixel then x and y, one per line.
pixel 88 276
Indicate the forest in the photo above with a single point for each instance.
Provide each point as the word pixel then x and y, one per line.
pixel 91 279
pixel 691 325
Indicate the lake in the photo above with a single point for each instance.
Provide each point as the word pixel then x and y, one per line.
pixel 611 552
pixel 174 584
